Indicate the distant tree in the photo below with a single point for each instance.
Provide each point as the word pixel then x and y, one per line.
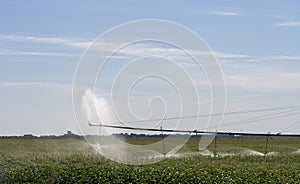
pixel 29 136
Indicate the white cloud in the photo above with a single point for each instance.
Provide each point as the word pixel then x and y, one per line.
pixel 225 13
pixel 31 53
pixel 267 81
pixel 234 58
pixel 284 57
pixel 288 24
pixel 62 86
pixel 145 50
pixel 132 50
pixel 226 55
pixel 50 40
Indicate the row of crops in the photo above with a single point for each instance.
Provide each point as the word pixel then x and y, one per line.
pixel 73 161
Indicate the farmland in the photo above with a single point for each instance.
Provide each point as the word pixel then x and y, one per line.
pixel 74 161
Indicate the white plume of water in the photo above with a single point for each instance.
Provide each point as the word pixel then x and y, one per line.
pixel 297 152
pixel 96 108
pixel 273 153
pixel 99 111
pixel 206 152
pixel 86 107
pixel 174 151
pixel 249 152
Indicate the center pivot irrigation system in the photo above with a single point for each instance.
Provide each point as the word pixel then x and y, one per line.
pixel 282 112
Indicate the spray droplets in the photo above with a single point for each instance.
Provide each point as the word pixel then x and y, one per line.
pixel 96 108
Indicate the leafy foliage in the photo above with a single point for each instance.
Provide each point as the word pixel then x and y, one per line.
pixel 73 161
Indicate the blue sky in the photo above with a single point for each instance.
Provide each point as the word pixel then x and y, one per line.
pixel 257 44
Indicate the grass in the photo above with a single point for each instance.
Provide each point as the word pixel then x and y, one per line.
pixel 74 161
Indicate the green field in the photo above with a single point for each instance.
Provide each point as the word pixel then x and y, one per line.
pixel 74 161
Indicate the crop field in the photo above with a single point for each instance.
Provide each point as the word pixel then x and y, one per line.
pixel 74 161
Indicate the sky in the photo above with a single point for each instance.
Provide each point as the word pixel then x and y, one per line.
pixel 256 43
